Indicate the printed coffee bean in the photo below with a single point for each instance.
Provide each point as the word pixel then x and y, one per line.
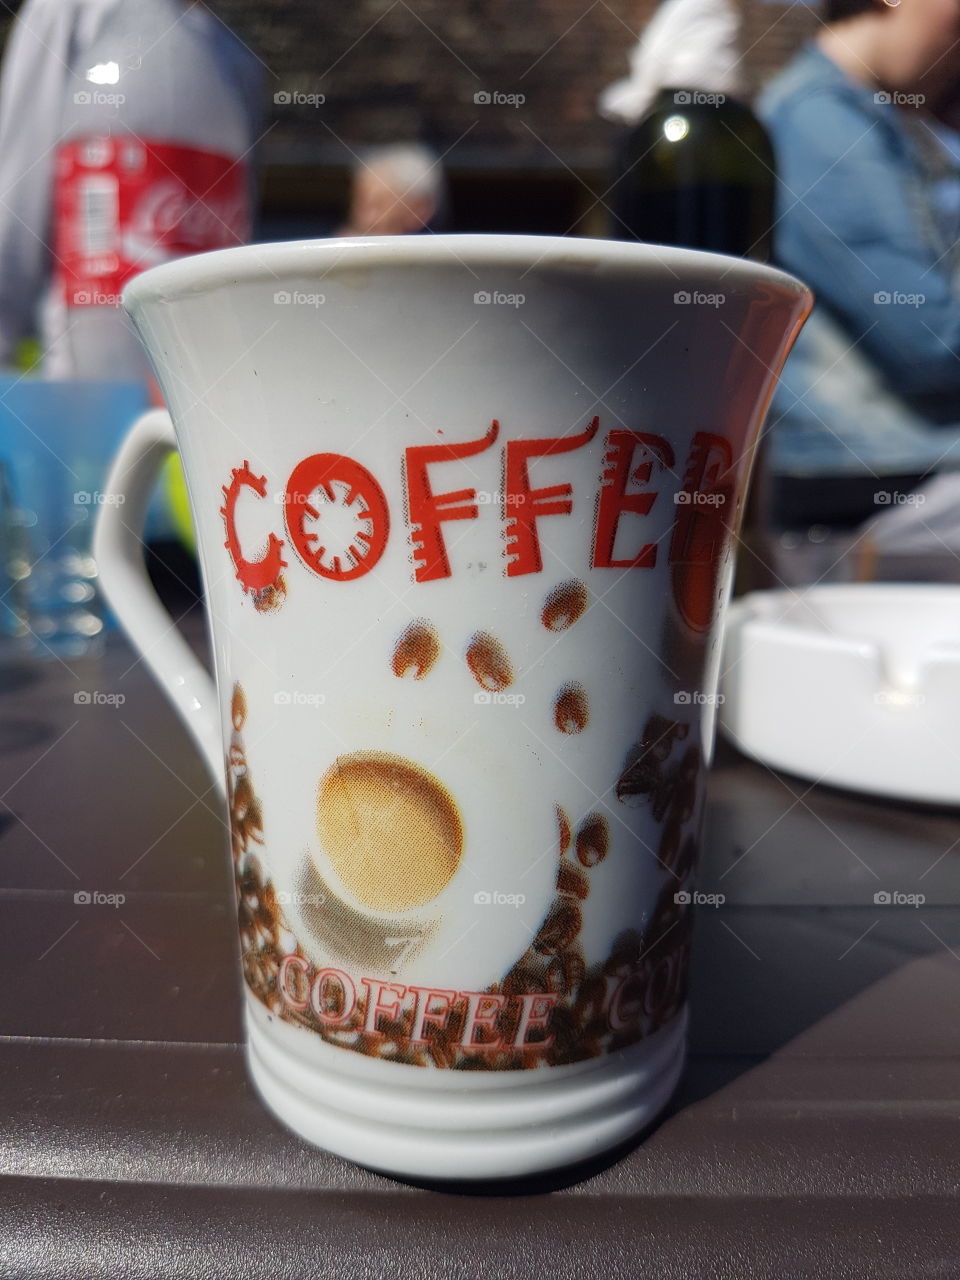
pixel 416 651
pixel 565 834
pixel 593 840
pixel 441 1053
pixel 242 798
pixel 271 597
pixel 564 973
pixel 238 707
pixel 641 776
pixel 564 606
pixel 560 928
pixel 572 880
pixel 526 976
pixel 488 662
pixel 571 710
pixel 660 734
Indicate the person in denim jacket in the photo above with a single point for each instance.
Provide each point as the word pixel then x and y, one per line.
pixel 869 215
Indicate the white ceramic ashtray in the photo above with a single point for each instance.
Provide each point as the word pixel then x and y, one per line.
pixel 856 686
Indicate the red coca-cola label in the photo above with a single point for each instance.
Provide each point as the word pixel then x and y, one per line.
pixel 123 204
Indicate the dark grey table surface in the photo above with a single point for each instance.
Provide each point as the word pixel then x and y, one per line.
pixel 816 1133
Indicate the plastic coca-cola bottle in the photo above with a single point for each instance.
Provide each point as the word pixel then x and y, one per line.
pixel 126 131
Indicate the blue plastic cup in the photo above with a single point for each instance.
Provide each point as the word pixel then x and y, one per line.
pixel 57 440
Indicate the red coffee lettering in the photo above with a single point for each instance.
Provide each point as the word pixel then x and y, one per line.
pixel 482 1010
pixel 348 999
pixel 300 965
pixel 428 510
pixel 704 517
pixel 526 505
pixel 535 1012
pixel 614 499
pixel 376 1004
pixel 255 575
pixel 423 1014
pixel 322 471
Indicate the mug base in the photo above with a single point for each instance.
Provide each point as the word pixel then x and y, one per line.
pixel 427 1124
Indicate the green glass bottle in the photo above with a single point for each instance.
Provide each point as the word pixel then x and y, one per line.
pixel 697 171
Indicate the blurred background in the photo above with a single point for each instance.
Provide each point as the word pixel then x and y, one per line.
pixel 393 71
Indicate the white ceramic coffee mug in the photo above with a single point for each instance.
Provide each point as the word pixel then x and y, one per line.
pixel 465 511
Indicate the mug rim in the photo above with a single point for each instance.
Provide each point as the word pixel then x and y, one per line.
pixel 201 273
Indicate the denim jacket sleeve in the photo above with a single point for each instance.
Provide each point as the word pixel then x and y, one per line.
pixel 848 224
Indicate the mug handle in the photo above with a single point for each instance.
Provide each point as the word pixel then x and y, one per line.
pixel 118 549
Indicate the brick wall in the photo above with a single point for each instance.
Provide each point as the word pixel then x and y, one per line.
pixel 402 68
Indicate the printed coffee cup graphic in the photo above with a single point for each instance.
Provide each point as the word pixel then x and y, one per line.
pixel 357 951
